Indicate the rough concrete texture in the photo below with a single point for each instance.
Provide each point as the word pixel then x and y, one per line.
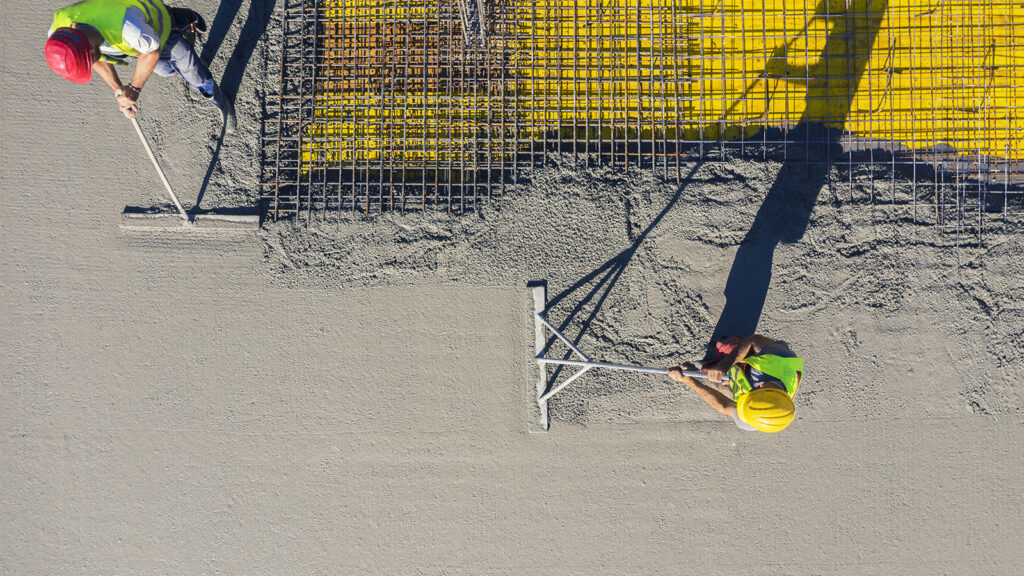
pixel 353 398
pixel 636 268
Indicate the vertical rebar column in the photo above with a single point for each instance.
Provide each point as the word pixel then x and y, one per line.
pixel 910 116
pixel 558 76
pixel 650 87
pixel 982 83
pixel 1013 109
pixel 337 42
pixel 390 152
pixel 575 78
pixel 424 62
pixel 639 84
pixel 408 91
pixel 600 85
pixel 675 77
pixel 891 141
pixel 442 56
pixel 381 65
pixel 724 105
pixel 538 96
pixel 701 79
pixel 449 115
pixel 280 121
pixel 462 123
pixel 494 67
pixel 470 129
pixel 933 118
pixel 744 112
pixel 514 43
pixel 767 83
pixel 311 126
pixel 613 94
pixel 589 70
pixel 662 108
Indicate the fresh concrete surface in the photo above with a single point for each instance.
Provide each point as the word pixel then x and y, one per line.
pixel 169 406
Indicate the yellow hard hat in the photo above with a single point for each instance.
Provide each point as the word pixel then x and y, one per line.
pixel 767 409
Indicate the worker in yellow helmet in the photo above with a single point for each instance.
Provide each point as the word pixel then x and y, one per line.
pixel 762 377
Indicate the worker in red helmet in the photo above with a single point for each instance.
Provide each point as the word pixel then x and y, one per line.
pixel 96 35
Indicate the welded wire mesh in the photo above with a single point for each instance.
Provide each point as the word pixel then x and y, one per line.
pixel 392 105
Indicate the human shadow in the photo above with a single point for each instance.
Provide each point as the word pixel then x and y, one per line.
pixel 256 22
pixel 786 210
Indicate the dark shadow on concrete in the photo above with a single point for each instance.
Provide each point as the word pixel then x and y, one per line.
pixel 255 24
pixel 210 168
pixel 786 210
pixel 253 29
pixel 602 280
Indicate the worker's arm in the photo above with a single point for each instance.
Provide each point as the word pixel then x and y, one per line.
pixel 143 68
pixel 754 343
pixel 711 397
pixel 108 73
pixel 722 387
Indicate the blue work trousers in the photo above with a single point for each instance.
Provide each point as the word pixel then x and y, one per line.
pixel 179 59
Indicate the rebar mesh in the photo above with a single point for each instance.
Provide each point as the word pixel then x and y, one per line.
pixel 387 105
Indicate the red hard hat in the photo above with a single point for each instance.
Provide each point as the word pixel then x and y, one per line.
pixel 69 53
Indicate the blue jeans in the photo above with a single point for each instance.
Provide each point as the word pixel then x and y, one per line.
pixel 179 59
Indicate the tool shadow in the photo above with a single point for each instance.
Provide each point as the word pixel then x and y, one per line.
pixel 602 280
pixel 211 167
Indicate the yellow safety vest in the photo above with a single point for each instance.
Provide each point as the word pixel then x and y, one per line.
pixel 786 370
pixel 107 17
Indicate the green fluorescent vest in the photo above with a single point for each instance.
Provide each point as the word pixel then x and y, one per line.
pixel 785 369
pixel 107 17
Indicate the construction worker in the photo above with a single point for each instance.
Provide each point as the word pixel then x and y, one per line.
pixel 762 377
pixel 95 35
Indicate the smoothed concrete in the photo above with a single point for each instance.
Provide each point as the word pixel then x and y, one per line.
pixel 195 404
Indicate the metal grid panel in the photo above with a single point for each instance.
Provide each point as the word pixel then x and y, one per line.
pixel 387 105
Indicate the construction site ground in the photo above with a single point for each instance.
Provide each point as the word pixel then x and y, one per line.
pixel 355 397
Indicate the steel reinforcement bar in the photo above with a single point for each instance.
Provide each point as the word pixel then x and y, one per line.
pixel 392 105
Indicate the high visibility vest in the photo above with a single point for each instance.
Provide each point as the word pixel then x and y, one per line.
pixel 107 17
pixel 786 370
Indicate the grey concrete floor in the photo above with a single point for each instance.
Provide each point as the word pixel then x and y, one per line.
pixel 167 409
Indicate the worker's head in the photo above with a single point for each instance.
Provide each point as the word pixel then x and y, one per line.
pixel 69 53
pixel 767 408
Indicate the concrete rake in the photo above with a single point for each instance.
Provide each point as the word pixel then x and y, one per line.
pixel 584 363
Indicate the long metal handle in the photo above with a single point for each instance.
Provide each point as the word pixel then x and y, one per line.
pixel 587 365
pixel 159 171
pixel 626 367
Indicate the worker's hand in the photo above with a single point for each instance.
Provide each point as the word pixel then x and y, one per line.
pixel 127 101
pixel 129 110
pixel 716 372
pixel 676 373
